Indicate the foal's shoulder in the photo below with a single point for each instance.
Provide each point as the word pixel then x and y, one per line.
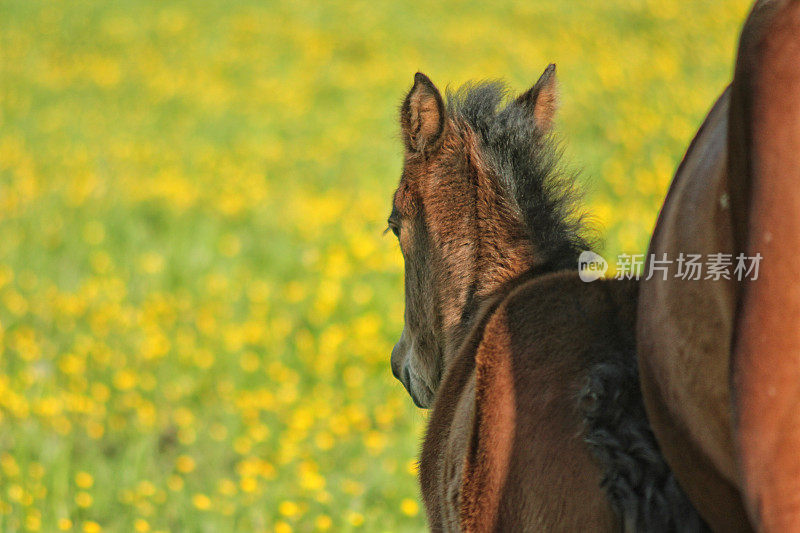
pixel 528 367
pixel 562 298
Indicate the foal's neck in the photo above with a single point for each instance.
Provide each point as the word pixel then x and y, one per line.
pixel 479 305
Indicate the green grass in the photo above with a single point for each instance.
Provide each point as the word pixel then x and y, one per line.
pixel 196 303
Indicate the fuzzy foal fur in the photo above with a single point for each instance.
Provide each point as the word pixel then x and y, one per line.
pixel 537 421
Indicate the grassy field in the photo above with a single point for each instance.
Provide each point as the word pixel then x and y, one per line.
pixel 196 303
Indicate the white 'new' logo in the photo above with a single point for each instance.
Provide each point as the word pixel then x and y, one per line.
pixel 591 266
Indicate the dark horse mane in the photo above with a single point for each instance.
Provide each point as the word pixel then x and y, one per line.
pixel 527 162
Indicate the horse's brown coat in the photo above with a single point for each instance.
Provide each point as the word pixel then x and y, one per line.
pixel 671 340
pixel 767 349
pixel 511 395
pixel 736 187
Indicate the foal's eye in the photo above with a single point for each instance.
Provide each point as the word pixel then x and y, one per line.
pixel 393 227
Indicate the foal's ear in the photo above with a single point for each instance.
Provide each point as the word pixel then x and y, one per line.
pixel 541 100
pixel 422 116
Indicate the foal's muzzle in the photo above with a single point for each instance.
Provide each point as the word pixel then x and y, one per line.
pixel 401 369
pixel 397 363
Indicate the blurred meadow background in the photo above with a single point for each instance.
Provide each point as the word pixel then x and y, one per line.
pixel 197 305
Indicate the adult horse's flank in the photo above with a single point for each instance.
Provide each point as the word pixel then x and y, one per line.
pixel 720 361
pixel 537 421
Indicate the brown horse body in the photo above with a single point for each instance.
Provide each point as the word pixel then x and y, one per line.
pixel 681 346
pixel 719 360
pixel 505 448
pixel 537 422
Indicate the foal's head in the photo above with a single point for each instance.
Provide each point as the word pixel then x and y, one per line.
pixel 481 201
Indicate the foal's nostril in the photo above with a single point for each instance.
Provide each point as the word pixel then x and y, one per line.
pixel 396 361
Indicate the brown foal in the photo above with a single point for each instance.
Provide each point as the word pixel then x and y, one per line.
pixel 537 422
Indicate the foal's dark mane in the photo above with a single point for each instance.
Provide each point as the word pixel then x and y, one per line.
pixel 527 163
